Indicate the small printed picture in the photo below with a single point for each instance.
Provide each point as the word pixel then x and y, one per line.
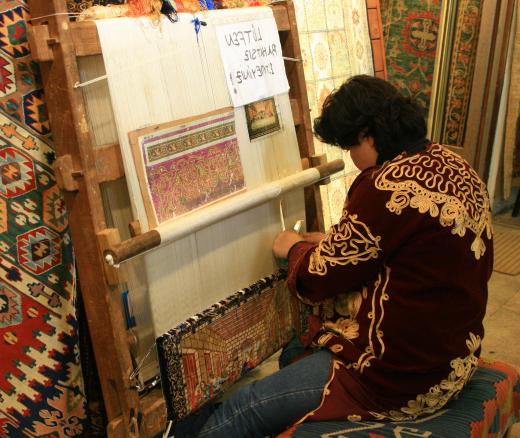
pixel 262 118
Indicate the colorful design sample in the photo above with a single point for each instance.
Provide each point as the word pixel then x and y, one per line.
pixel 189 164
pixel 410 33
pixel 262 118
pixel 41 388
pixel 487 406
pixel 335 45
pixel 205 355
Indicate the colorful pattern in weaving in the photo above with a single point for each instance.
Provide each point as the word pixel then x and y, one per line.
pixel 410 30
pixel 487 406
pixel 462 68
pixel 41 388
pixel 335 45
pixel 77 6
pixel 191 164
pixel 206 354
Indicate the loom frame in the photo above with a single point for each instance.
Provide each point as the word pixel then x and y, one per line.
pixel 56 43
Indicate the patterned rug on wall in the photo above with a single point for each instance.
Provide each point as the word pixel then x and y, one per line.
pixel 41 386
pixel 462 68
pixel 410 30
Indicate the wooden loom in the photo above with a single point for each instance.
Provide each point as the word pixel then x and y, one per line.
pixel 81 170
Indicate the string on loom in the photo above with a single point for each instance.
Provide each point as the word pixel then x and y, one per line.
pixel 201 23
pixel 190 289
pixel 198 23
pixel 137 369
pixel 72 14
pixel 165 55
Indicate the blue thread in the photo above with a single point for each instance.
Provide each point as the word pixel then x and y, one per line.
pixel 198 23
pixel 207 4
pixel 129 318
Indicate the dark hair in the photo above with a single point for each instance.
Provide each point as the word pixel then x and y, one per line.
pixel 374 107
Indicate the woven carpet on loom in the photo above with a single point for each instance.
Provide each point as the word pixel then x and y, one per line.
pixel 410 30
pixel 41 387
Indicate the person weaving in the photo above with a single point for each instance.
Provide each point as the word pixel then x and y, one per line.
pixel 400 282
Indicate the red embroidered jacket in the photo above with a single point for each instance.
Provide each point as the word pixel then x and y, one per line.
pixel 401 285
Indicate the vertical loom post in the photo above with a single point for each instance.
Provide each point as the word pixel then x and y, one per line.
pixel 291 48
pixel 86 217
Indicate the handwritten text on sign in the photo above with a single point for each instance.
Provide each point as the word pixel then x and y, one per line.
pixel 252 57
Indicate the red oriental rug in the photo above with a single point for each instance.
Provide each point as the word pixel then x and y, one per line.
pixel 41 386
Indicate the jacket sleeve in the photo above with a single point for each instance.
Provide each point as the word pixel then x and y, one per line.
pixel 354 250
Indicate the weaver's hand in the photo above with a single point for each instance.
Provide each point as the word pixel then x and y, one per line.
pixel 283 243
pixel 313 237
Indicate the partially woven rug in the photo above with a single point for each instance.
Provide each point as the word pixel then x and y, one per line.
pixel 203 356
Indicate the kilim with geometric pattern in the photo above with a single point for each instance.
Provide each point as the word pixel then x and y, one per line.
pixel 41 386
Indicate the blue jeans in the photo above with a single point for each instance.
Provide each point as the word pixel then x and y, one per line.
pixel 265 407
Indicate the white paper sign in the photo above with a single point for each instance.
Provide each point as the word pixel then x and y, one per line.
pixel 252 57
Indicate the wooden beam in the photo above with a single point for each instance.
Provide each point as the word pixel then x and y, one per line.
pixel 296 109
pixel 298 92
pixel 109 162
pixel 154 417
pixel 86 39
pixel 86 216
pixel 281 16
pixel 38 36
pixel 376 38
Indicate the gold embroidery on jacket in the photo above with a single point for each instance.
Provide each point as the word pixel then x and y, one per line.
pixel 323 339
pixel 347 306
pixel 349 242
pixel 439 395
pixel 336 348
pixel 375 328
pixel 441 184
